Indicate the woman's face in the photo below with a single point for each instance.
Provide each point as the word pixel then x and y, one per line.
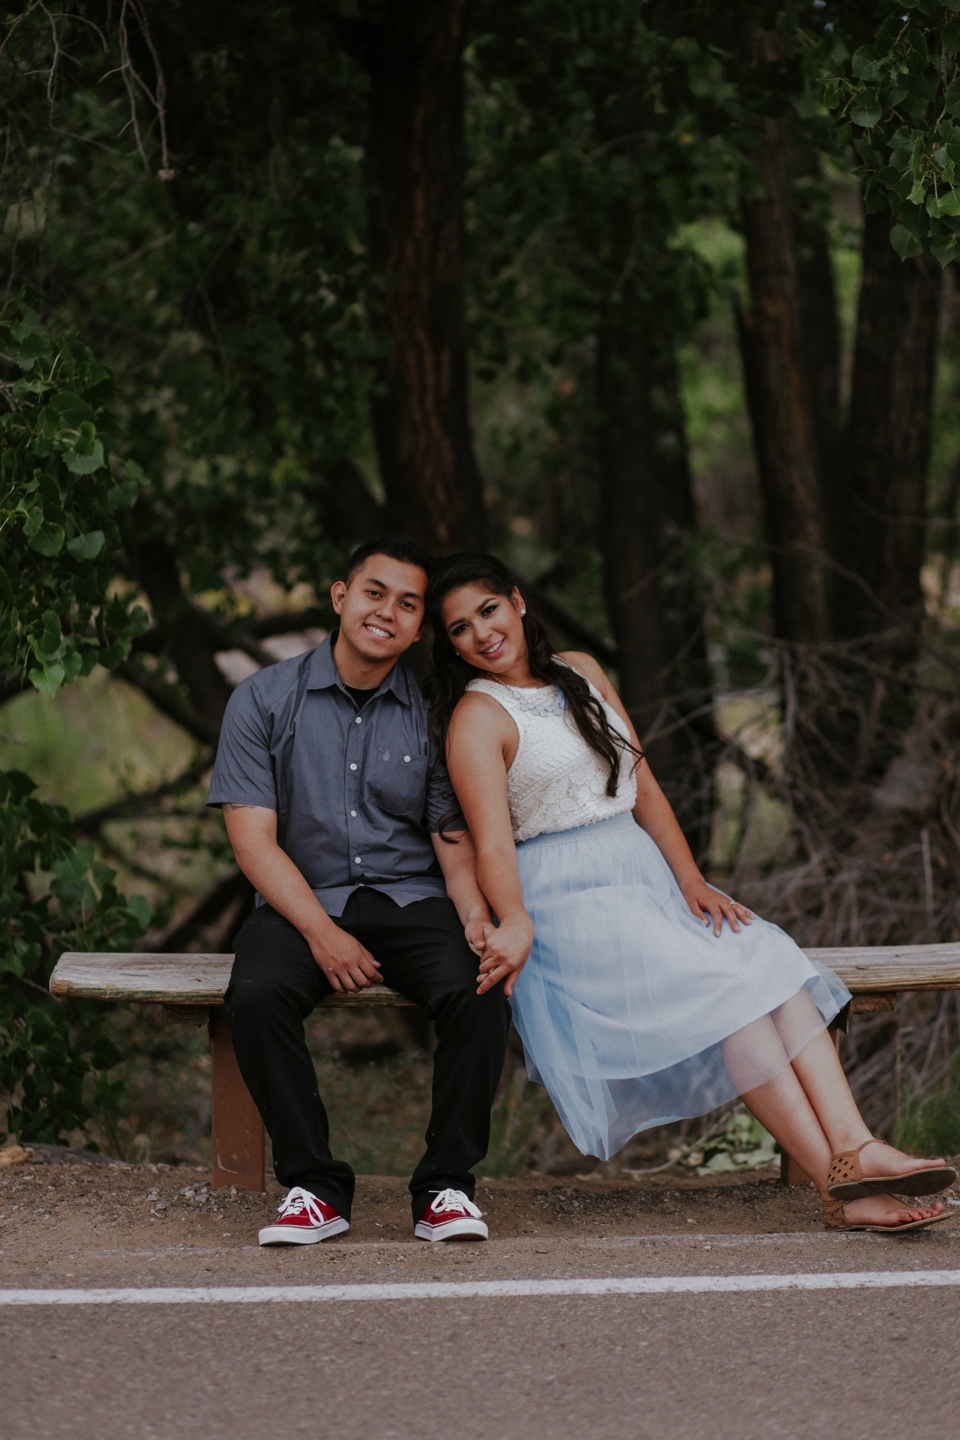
pixel 484 628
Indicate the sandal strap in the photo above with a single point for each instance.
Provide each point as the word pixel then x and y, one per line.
pixel 845 1165
pixel 833 1216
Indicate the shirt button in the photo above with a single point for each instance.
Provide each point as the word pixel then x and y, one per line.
pixel 357 860
pixel 353 814
pixel 406 759
pixel 353 767
pixel 358 719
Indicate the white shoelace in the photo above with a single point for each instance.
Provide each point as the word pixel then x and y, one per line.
pixel 299 1200
pixel 454 1200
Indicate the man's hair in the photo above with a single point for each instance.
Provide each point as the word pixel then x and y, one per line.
pixel 395 547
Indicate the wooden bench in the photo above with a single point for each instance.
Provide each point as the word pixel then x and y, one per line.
pixel 191 988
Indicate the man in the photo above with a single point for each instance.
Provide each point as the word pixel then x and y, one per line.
pixel 333 800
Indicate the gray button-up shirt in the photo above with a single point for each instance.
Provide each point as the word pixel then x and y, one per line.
pixel 357 792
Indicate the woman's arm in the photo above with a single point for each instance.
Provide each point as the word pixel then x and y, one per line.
pixel 458 861
pixel 481 743
pixel 654 813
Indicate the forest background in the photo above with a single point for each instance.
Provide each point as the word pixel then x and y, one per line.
pixel 655 299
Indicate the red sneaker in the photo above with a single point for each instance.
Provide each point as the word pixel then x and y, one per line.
pixel 304 1219
pixel 450 1216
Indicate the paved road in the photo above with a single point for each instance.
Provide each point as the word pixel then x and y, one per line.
pixel 841 1364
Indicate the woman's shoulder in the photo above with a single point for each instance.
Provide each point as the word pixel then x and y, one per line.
pixel 479 704
pixel 478 713
pixel 586 666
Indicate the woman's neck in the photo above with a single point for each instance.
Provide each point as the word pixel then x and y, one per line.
pixel 518 674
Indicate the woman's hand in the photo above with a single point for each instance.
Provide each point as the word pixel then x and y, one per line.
pixel 505 953
pixel 708 904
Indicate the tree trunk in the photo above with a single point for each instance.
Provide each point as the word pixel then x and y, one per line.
pixel 413 53
pixel 882 537
pixel 820 337
pixel 646 524
pixel 781 412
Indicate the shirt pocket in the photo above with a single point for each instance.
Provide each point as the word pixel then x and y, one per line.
pixel 398 783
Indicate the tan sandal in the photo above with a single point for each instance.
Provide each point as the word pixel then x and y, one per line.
pixel 845 1182
pixel 834 1219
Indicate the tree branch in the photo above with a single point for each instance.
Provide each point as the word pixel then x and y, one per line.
pixel 132 805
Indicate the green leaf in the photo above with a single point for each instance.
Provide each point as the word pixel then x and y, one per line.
pixel 88 546
pixel 862 60
pixel 51 636
pixel 904 243
pixel 48 679
pixel 48 539
pixel 85 464
pixel 950 202
pixel 141 909
pixel 866 115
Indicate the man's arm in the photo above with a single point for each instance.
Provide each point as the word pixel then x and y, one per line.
pixel 252 831
pixel 458 861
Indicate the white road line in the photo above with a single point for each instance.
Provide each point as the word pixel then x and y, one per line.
pixel 488 1289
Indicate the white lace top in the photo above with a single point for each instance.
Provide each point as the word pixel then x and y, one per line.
pixel 556 782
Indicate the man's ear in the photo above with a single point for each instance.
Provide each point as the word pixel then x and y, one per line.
pixel 338 593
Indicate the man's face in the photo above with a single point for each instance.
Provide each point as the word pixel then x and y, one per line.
pixel 381 609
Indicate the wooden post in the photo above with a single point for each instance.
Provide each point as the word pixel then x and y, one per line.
pixel 236 1130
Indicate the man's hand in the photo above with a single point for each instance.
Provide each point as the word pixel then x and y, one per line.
pixel 709 905
pixel 505 953
pixel 344 961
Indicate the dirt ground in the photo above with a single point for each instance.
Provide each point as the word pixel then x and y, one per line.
pixel 63 1201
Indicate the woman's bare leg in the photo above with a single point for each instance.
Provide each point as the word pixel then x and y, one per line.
pixel 817 1067
pixel 783 1107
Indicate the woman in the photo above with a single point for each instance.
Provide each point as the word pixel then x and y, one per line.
pixel 642 995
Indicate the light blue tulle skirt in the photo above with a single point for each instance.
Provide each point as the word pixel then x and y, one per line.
pixel 632 1012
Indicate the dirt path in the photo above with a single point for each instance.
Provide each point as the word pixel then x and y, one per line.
pixel 48 1209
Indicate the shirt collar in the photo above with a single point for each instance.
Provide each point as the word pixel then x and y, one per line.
pixel 324 674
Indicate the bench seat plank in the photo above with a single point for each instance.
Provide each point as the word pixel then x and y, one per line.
pixel 171 980
pixel 202 979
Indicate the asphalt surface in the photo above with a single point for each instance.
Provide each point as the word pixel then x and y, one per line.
pixel 336 1352
pixel 852 1363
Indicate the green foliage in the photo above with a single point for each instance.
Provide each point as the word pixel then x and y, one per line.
pixel 740 1143
pixel 931 1126
pixel 59 497
pixel 229 297
pixel 896 100
pixel 54 894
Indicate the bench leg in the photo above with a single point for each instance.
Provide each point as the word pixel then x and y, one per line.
pixel 236 1130
pixel 790 1171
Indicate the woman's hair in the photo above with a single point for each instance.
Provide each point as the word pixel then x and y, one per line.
pixel 452 675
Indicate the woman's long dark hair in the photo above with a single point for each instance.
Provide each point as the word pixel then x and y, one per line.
pixel 452 675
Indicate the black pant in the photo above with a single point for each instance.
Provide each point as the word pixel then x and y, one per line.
pixel 275 984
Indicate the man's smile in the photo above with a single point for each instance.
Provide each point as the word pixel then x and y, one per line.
pixel 378 630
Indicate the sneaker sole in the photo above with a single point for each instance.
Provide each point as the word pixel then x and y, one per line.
pixel 282 1235
pixel 452 1230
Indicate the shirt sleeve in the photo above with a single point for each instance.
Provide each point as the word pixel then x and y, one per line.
pixel 243 770
pixel 442 808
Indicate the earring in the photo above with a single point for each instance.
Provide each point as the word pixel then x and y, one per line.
pixel 522 613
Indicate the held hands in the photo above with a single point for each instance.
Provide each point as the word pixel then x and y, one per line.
pixel 504 953
pixel 476 932
pixel 709 905
pixel 344 961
